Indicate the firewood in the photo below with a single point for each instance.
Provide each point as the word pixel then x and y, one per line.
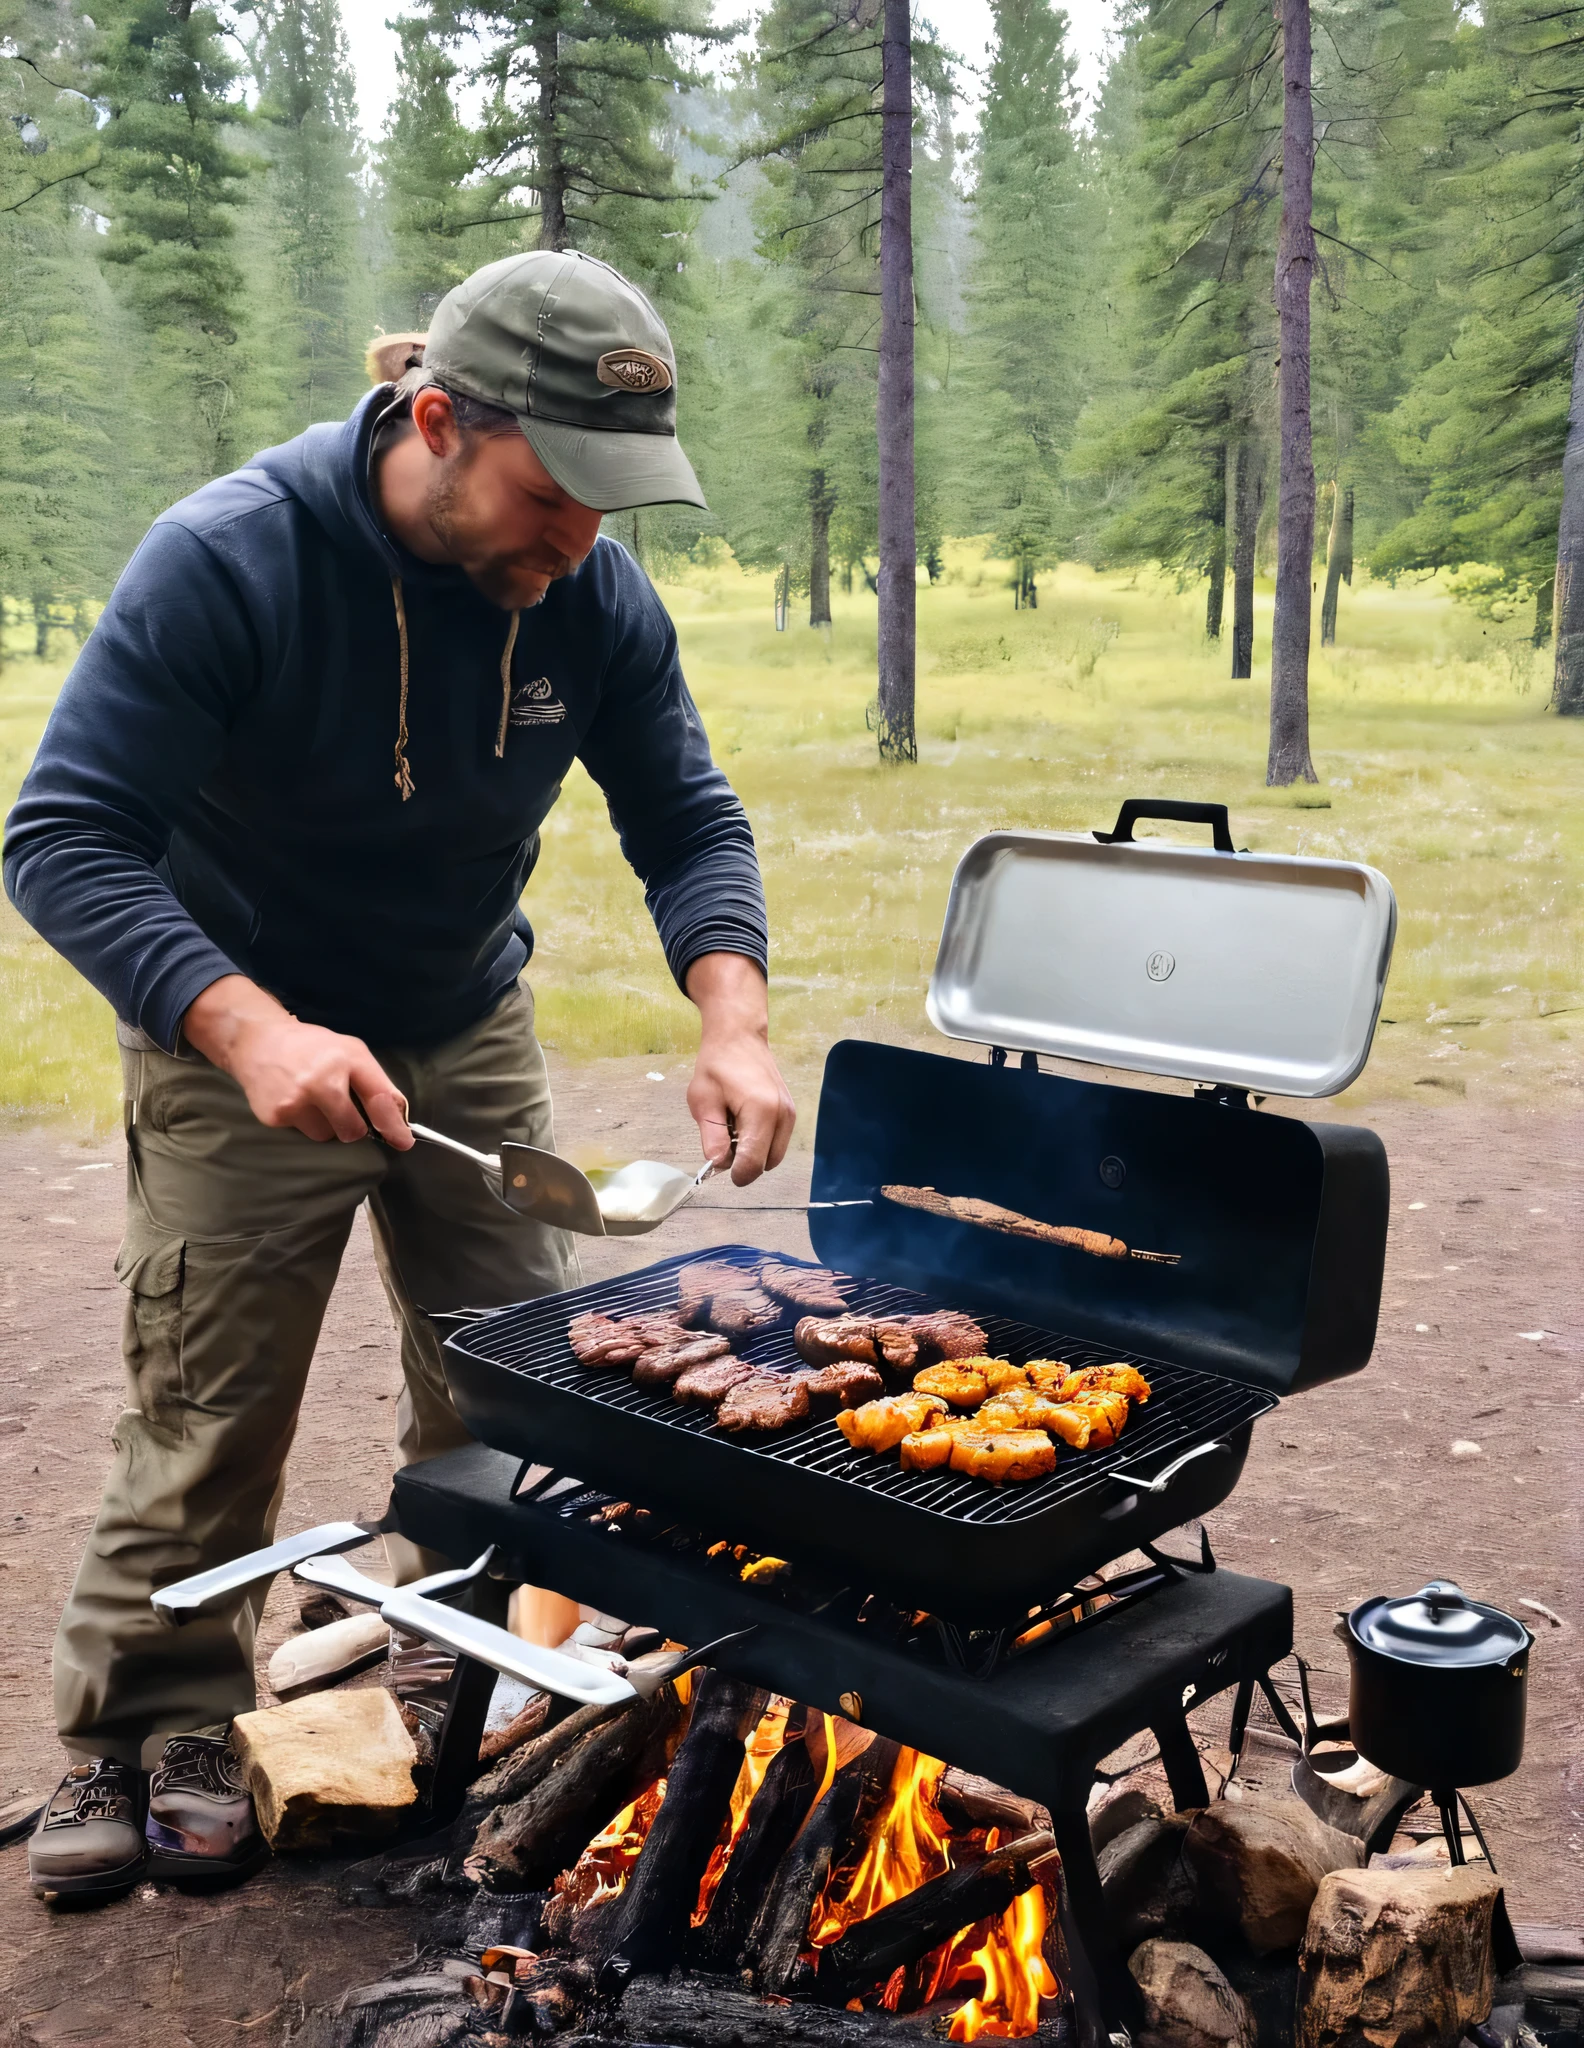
pixel 521 1845
pixel 521 1728
pixel 780 1933
pixel 779 1809
pixel 651 1926
pixel 705 2012
pixel 972 1802
pixel 911 1926
pixel 333 1763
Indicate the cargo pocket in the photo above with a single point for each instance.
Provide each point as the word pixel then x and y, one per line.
pixel 151 1265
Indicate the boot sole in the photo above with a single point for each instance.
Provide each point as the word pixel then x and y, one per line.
pixel 97 1887
pixel 204 1873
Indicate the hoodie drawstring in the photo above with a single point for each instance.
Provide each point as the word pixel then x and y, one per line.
pixel 403 777
pixel 506 655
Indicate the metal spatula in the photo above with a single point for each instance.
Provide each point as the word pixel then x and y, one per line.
pixel 619 1201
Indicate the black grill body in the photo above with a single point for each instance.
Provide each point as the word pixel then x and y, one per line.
pixel 1280 1228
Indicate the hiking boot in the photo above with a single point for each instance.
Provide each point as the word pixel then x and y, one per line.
pixel 89 1840
pixel 201 1827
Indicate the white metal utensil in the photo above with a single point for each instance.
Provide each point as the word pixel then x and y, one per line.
pixel 616 1201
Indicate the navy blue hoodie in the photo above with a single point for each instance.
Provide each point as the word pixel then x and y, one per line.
pixel 217 792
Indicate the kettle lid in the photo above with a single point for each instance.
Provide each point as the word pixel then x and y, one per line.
pixel 1438 1626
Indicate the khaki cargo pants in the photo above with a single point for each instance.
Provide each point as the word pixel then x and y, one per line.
pixel 234 1236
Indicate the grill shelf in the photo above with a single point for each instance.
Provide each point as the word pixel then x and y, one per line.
pixel 934 1537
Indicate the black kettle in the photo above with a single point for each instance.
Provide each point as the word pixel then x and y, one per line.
pixel 1438 1689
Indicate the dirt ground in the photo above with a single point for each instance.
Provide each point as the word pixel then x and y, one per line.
pixel 1350 1490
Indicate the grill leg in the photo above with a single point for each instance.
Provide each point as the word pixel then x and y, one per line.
pixel 457 1744
pixel 1105 1996
pixel 1184 1771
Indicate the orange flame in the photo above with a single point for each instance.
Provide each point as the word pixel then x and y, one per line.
pixel 761 1746
pixel 909 1844
pixel 1011 1960
pixel 606 1864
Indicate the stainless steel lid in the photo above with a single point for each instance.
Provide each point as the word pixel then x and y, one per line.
pixel 1440 1626
pixel 1265 970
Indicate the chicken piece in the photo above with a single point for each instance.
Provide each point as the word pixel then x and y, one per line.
pixel 810 1288
pixel 1002 1455
pixel 881 1425
pixel 763 1401
pixel 705 1386
pixel 699 1283
pixel 930 1449
pixel 1107 1413
pixel 743 1312
pixel 663 1366
pixel 1048 1374
pixel 1115 1378
pixel 602 1340
pixel 945 1333
pixel 847 1384
pixel 957 1385
pixel 830 1342
pixel 996 1373
pixel 1027 1408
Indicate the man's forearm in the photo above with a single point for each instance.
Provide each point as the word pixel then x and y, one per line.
pixel 731 994
pixel 737 1097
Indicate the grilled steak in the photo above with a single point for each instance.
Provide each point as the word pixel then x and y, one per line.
pixel 945 1333
pixel 708 1385
pixel 763 1401
pixel 698 1284
pixel 743 1312
pixel 810 1288
pixel 602 1340
pixel 868 1340
pixel 844 1385
pixel 664 1366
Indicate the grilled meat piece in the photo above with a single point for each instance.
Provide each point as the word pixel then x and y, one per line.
pixel 846 1384
pixel 945 1333
pixel 708 1385
pixel 1115 1378
pixel 930 1449
pixel 742 1312
pixel 698 1285
pixel 881 1425
pixel 895 1342
pixel 1107 1413
pixel 1028 1408
pixel 999 1373
pixel 763 1401
pixel 1003 1455
pixel 1048 1374
pixel 602 1340
pixel 810 1288
pixel 956 1385
pixel 664 1365
pixel 829 1343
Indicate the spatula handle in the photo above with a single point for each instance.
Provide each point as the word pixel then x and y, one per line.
pixel 490 1161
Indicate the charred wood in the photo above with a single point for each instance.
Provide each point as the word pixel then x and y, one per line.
pixel 705 2012
pixel 521 1728
pixel 780 1932
pixel 523 1844
pixel 968 1801
pixel 779 1809
pixel 657 1905
pixel 911 1926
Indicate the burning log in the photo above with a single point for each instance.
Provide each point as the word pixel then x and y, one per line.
pixel 781 1931
pixel 521 1845
pixel 779 1809
pixel 911 1926
pixel 704 2012
pixel 972 1802
pixel 650 1925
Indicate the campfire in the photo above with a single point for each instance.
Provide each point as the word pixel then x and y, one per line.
pixel 840 1868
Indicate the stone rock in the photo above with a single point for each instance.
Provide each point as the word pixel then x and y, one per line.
pixel 1147 1890
pixel 1258 1864
pixel 1119 1810
pixel 1187 2001
pixel 1396 1959
pixel 334 1763
pixel 324 1656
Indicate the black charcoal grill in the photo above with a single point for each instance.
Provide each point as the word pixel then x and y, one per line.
pixel 1265 1234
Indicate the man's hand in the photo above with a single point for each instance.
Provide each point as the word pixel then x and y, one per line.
pixel 296 1077
pixel 736 1085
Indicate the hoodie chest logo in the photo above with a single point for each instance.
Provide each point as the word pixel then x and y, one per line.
pixel 536 703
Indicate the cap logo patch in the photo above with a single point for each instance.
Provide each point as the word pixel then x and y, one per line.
pixel 633 369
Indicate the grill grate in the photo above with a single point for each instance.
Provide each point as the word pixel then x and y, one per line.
pixel 1187 1406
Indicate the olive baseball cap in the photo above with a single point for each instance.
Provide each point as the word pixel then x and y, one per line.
pixel 584 361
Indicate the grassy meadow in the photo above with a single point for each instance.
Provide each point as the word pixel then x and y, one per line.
pixel 1438 763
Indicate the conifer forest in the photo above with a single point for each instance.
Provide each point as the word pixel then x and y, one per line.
pixel 1299 290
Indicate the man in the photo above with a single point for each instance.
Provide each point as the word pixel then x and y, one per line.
pixel 281 817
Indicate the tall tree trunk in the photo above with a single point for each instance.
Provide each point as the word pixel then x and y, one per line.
pixel 822 502
pixel 894 406
pixel 41 626
pixel 1215 597
pixel 1246 458
pixel 551 171
pixel 1289 713
pixel 1339 559
pixel 1545 599
pixel 1567 692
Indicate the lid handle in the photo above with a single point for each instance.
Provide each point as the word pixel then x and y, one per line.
pixel 1442 1593
pixel 1136 807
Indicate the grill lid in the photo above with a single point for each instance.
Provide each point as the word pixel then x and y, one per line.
pixel 1265 970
